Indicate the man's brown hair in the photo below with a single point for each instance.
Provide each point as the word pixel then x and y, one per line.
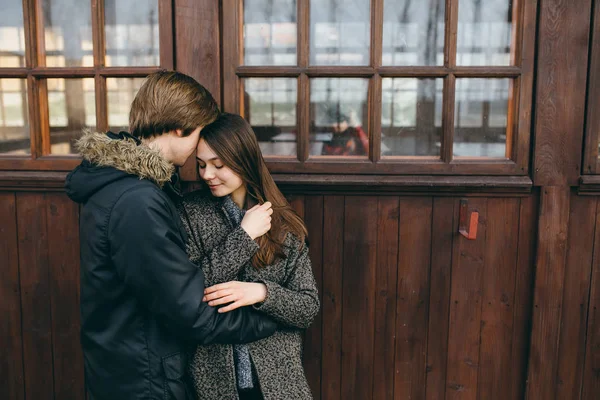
pixel 170 100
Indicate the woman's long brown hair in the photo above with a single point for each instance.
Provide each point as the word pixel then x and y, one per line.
pixel 234 142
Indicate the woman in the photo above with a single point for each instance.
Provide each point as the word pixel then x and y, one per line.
pixel 272 274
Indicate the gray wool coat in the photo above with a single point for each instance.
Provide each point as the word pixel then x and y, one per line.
pixel 224 253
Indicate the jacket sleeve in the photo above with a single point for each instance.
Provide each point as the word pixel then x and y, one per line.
pixel 296 302
pixel 223 262
pixel 147 250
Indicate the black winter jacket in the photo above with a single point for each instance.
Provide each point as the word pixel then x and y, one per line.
pixel 141 297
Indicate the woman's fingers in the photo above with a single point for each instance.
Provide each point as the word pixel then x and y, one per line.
pixel 217 295
pixel 231 307
pixel 222 300
pixel 219 286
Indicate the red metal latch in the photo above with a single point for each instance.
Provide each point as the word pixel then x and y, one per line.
pixel 467 225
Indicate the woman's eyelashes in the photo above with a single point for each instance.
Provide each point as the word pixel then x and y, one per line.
pixel 201 166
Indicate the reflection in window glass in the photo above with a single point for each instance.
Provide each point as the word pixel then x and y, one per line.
pixel 68 44
pixel 340 32
pixel 484 32
pixel 271 110
pixel 480 118
pixel 121 92
pixel 12 36
pixel 338 115
pixel 270 32
pixel 408 117
pixel 71 108
pixel 413 32
pixel 14 121
pixel 132 33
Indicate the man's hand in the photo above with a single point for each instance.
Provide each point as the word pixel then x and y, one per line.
pixel 236 294
pixel 257 220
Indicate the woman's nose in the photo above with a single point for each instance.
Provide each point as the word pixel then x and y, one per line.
pixel 207 174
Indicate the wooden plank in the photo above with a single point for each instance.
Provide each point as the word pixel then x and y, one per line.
pixel 562 63
pixel 11 351
pixel 63 255
pixel 465 309
pixel 388 212
pixel 331 308
pixel 198 53
pixel 358 304
pixel 444 212
pixel 35 296
pixel 312 341
pixel 498 292
pixel 571 350
pixel 591 377
pixel 413 297
pixel 523 294
pixel 548 292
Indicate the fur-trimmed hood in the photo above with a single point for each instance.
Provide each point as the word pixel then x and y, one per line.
pixel 110 156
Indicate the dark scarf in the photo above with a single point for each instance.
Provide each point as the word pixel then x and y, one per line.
pixel 241 355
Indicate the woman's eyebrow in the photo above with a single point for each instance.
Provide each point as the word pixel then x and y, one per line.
pixel 212 159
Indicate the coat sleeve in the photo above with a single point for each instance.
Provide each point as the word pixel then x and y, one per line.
pixel 224 261
pixel 296 302
pixel 147 250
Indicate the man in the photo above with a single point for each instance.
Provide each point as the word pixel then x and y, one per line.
pixel 141 298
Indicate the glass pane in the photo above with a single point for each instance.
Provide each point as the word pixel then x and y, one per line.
pixel 71 108
pixel 271 110
pixel 121 92
pixel 340 32
pixel 68 44
pixel 270 32
pixel 338 116
pixel 132 33
pixel 14 121
pixel 408 117
pixel 480 118
pixel 413 32
pixel 12 36
pixel 484 32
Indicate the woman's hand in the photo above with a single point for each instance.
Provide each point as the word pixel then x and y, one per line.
pixel 257 220
pixel 237 294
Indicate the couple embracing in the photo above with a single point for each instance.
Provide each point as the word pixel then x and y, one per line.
pixel 201 296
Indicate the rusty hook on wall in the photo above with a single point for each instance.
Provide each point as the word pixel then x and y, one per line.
pixel 467 225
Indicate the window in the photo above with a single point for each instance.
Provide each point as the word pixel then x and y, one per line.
pixel 69 65
pixel 383 86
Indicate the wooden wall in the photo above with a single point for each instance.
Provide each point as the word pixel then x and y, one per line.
pixel 410 308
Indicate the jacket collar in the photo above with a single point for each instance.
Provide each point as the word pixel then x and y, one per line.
pixel 125 153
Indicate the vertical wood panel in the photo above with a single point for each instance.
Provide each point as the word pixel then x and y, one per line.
pixel 576 295
pixel 444 212
pixel 313 215
pixel 331 308
pixel 197 52
pixel 388 210
pixel 561 87
pixel 63 255
pixel 523 294
pixel 11 347
pixel 360 236
pixel 591 372
pixel 35 296
pixel 497 298
pixel 413 297
pixel 465 309
pixel 550 268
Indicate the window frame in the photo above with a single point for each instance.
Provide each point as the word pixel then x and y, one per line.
pixel 591 159
pixel 35 74
pixel 519 112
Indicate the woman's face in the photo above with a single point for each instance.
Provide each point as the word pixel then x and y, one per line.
pixel 221 180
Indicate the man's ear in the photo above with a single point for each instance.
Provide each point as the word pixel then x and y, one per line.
pixel 179 132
